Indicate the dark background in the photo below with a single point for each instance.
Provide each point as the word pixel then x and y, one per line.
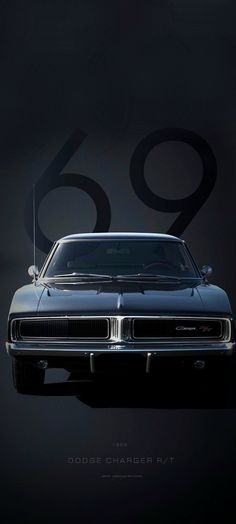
pixel 118 71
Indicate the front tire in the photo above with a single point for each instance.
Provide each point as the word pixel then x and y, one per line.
pixel 27 377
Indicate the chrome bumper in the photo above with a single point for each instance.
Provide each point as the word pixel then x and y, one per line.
pixel 169 349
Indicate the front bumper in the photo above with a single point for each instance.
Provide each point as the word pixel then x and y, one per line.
pixel 168 349
pixel 93 359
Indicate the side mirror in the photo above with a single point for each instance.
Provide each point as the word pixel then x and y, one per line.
pixel 33 272
pixel 206 271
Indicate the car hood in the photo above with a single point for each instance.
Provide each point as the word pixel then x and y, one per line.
pixel 132 298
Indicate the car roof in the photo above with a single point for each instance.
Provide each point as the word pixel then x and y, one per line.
pixel 120 235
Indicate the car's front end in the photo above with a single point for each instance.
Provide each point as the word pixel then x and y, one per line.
pixel 95 323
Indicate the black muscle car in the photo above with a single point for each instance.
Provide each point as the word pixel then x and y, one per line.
pixel 117 303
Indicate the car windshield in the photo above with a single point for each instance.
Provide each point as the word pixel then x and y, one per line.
pixel 120 257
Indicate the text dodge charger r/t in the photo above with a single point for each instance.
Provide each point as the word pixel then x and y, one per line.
pixel 117 303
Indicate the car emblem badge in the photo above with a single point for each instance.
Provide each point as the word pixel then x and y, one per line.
pixel 185 328
pixel 205 329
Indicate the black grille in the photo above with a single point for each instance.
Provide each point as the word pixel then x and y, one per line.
pixel 176 328
pixel 63 328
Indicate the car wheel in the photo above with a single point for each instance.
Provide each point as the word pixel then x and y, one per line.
pixel 27 378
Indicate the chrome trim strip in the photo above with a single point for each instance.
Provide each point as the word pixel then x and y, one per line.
pixel 47 260
pixel 110 346
pixel 148 362
pixel 91 362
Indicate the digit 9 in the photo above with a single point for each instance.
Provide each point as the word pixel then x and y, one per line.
pixel 188 206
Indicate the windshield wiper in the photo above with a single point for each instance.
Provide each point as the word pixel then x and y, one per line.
pixel 147 276
pixel 80 276
pixel 131 276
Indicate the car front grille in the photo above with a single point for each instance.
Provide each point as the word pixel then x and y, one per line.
pixel 63 328
pixel 115 329
pixel 176 328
